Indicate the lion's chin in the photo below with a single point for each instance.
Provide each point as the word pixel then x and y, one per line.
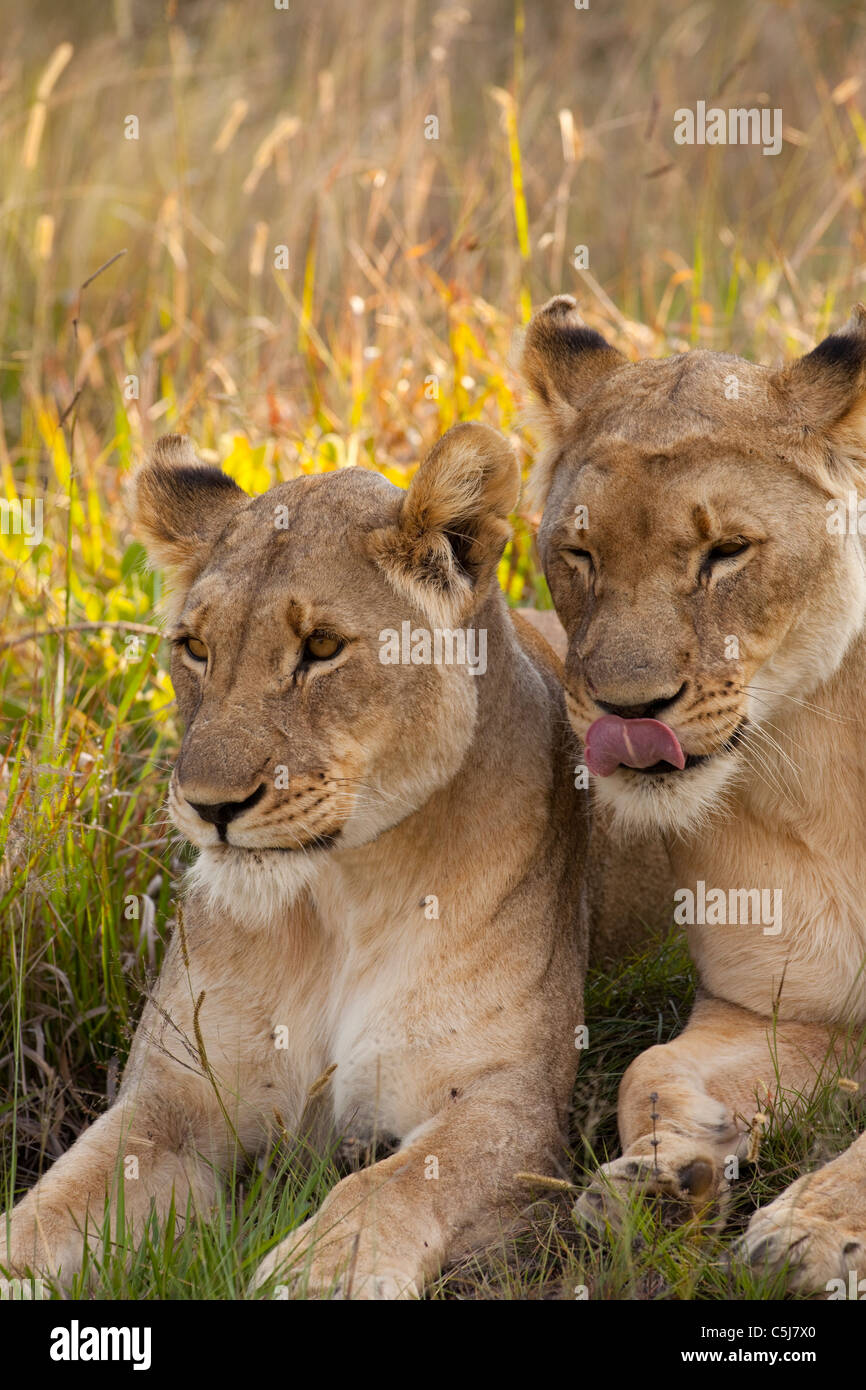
pixel 255 888
pixel 677 802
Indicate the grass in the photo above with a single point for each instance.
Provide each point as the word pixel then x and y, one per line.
pixel 307 283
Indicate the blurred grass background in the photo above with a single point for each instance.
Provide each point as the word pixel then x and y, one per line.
pixel 309 282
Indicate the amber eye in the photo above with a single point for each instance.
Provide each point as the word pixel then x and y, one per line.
pixel 725 549
pixel 196 648
pixel 319 646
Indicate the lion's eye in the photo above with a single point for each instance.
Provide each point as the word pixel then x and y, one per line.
pixel 574 556
pixel 196 648
pixel 321 646
pixel 725 550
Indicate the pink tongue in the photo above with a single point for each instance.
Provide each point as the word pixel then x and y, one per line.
pixel 612 742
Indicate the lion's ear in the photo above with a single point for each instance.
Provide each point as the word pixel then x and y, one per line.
pixel 829 383
pixel 443 551
pixel 179 506
pixel 561 360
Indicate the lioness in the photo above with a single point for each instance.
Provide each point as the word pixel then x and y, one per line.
pixel 386 878
pixel 697 540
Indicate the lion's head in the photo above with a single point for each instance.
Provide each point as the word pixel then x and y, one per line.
pixel 307 730
pixel 695 544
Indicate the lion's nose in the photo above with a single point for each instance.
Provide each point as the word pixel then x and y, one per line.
pixel 220 813
pixel 650 708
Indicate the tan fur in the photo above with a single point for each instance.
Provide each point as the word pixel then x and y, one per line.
pixel 545 622
pixel 396 902
pixel 671 458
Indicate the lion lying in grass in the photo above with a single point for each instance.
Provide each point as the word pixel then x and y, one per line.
pixel 385 887
pixel 698 543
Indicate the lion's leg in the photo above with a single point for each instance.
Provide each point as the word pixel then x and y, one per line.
pixel 687 1107
pixel 386 1231
pixel 816 1229
pixel 196 1091
pixel 144 1151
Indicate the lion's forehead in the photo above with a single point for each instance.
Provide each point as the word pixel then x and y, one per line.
pixel 311 516
pixel 664 405
pixel 313 505
pixel 673 445
pixel 305 540
pixel 686 491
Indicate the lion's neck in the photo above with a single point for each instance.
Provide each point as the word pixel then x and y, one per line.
pixel 792 836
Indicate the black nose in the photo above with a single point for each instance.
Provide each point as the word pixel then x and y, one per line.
pixel 219 813
pixel 650 709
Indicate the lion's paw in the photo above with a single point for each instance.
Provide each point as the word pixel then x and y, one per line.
pixel 687 1183
pixel 341 1266
pixel 812 1234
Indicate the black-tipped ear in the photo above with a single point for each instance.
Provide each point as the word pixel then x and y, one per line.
pixel 453 526
pixel 826 385
pixel 562 360
pixel 180 505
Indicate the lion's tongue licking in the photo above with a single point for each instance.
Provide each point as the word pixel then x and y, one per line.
pixel 612 742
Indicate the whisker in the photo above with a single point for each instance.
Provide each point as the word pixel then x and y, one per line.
pixel 757 731
pixel 783 733
pixel 758 765
pixel 806 704
pixel 765 757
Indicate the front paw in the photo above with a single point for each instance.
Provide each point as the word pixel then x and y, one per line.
pixel 328 1257
pixel 686 1181
pixel 39 1248
pixel 813 1234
